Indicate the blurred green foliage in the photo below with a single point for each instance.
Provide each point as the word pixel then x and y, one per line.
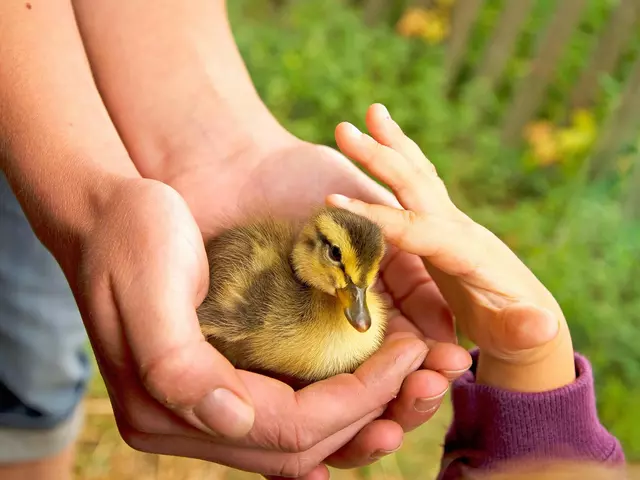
pixel 316 64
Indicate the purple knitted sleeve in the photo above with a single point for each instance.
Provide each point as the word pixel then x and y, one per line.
pixel 492 426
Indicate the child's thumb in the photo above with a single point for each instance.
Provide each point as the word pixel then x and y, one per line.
pixel 523 326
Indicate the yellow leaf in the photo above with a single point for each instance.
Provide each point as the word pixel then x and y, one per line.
pixel 572 141
pixel 579 137
pixel 546 152
pixel 436 30
pixel 412 22
pixel 537 130
pixel 542 140
pixel 584 120
pixel 419 22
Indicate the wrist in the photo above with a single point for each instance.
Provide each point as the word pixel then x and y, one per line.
pixel 209 135
pixel 494 426
pixel 64 197
pixel 553 369
pixel 205 108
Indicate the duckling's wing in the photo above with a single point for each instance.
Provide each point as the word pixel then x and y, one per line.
pixel 242 261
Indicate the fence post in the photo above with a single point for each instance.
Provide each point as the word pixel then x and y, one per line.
pixel 620 125
pixel 463 16
pixel 502 42
pixel 631 205
pixel 374 10
pixel 606 53
pixel 530 91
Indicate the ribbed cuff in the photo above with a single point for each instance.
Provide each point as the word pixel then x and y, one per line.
pixel 493 425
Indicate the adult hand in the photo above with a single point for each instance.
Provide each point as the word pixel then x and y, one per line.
pixel 142 271
pixel 134 258
pixel 289 181
pixel 204 130
pixel 519 327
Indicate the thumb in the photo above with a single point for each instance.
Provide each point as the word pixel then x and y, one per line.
pixel 521 326
pixel 145 269
pixel 175 363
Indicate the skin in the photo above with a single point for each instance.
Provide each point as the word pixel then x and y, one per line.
pixel 56 467
pixel 127 223
pixel 172 162
pixel 523 337
pixel 204 130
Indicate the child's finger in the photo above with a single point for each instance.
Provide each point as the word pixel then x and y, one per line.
pixel 387 132
pixel 449 244
pixel 401 227
pixel 409 185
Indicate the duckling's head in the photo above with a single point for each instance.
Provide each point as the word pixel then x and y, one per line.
pixel 339 253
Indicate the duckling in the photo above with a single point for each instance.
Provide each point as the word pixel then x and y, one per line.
pixel 295 300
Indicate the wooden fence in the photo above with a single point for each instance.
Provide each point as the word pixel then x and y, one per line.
pixel 623 122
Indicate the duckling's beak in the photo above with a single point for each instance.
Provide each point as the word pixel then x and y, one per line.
pixel 354 301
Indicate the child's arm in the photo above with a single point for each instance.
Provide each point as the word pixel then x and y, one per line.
pixel 493 426
pixel 527 393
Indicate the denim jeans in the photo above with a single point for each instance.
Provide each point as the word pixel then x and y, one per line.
pixel 44 366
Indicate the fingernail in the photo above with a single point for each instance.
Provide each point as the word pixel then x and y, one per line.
pixel 426 405
pixel 354 129
pixel 397 336
pixel 339 200
pixel 453 374
pixel 225 413
pixel 417 362
pixel 386 113
pixel 383 453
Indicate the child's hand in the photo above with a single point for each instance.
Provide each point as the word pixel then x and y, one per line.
pixel 499 304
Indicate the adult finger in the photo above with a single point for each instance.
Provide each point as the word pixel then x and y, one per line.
pixel 401 272
pixel 296 421
pixel 156 278
pixel 409 288
pixel 180 369
pixel 277 428
pixel 418 304
pixel 448 359
pixel 376 440
pixel 265 462
pixel 417 296
pixel 419 399
pixel 321 472
pixel 398 323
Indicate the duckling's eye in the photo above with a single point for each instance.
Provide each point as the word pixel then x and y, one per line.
pixel 334 253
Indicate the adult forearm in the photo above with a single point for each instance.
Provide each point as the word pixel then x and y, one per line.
pixel 59 146
pixel 173 81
